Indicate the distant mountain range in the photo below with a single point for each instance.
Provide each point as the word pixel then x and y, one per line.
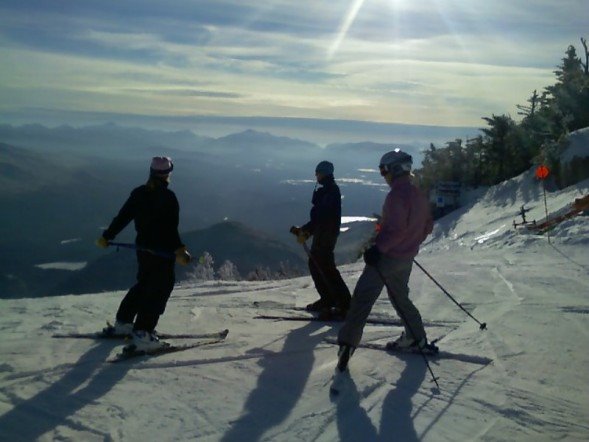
pixel 104 140
pixel 68 183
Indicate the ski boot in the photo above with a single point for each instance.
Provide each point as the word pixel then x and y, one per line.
pixel 118 329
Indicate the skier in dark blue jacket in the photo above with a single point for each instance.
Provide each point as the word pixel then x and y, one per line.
pixel 324 227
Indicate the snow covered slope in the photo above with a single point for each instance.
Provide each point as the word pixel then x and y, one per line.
pixel 270 379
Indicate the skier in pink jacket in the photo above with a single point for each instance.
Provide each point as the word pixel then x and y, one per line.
pixel 406 222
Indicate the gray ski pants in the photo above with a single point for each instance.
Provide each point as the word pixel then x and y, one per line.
pixel 396 273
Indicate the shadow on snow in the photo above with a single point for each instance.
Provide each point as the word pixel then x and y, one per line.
pixel 88 380
pixel 279 386
pixel 396 423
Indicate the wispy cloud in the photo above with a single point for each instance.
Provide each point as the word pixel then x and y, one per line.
pixel 430 62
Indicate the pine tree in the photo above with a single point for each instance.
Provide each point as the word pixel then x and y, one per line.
pixel 496 146
pixel 286 270
pixel 529 111
pixel 203 270
pixel 260 273
pixel 228 272
pixel 569 97
pixel 475 159
pixel 586 64
pixel 507 148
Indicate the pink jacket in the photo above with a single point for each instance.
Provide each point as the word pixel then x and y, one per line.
pixel 406 220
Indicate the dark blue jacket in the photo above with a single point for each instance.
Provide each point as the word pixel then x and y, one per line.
pixel 326 214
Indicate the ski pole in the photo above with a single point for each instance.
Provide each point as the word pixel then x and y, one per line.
pixel 142 249
pixel 483 325
pixel 123 245
pixel 546 209
pixel 404 319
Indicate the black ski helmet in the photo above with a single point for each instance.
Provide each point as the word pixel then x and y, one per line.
pixel 396 162
pixel 325 167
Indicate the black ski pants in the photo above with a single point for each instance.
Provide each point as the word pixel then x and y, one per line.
pixel 328 281
pixel 146 301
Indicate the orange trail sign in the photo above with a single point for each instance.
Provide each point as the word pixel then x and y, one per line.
pixel 542 172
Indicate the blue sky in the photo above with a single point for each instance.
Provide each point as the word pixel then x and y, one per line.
pixel 428 62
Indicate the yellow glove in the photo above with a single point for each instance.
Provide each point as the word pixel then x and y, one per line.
pixel 182 256
pixel 102 242
pixel 303 236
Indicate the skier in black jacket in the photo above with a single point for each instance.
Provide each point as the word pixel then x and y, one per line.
pixel 324 227
pixel 155 211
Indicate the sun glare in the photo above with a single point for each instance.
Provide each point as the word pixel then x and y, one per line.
pixel 344 27
pixel 349 19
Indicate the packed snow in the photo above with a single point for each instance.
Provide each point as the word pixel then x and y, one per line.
pixel 270 380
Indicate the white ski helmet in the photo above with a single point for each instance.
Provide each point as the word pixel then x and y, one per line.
pixel 161 167
pixel 396 162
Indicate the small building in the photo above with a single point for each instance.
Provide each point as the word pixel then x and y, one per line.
pixel 445 197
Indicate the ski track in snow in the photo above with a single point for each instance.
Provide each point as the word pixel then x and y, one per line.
pixel 508 284
pixel 579 310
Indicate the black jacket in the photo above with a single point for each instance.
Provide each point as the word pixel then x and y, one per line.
pixel 155 210
pixel 326 213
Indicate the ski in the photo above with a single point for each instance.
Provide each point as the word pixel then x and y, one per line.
pixel 281 311
pixel 274 305
pixel 297 318
pixel 101 335
pixel 373 321
pixel 130 353
pixel 441 354
pixel 315 318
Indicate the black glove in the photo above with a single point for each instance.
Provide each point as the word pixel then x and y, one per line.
pixel 372 256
